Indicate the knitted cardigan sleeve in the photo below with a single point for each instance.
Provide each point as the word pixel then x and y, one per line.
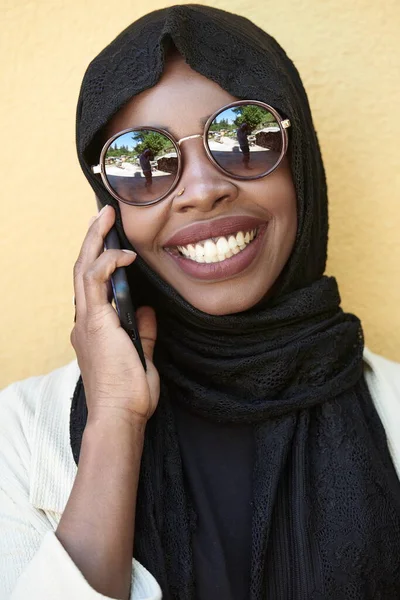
pixel 33 563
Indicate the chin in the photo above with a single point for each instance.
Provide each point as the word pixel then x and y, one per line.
pixel 225 304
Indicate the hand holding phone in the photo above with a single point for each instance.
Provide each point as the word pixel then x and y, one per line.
pixel 109 355
pixel 122 294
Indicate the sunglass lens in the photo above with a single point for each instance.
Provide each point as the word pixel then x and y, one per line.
pixel 246 140
pixel 141 165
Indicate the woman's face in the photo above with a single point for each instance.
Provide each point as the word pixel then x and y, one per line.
pixel 180 102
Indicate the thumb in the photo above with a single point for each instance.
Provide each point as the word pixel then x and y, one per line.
pixel 147 327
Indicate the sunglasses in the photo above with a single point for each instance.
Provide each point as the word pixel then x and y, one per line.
pixel 246 140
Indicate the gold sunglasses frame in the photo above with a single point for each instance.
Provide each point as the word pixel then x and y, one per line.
pixel 284 124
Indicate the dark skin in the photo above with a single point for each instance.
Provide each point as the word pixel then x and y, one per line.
pixel 120 395
pixel 209 194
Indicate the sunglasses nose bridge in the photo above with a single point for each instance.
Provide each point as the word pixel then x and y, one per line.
pixel 189 137
pixel 197 157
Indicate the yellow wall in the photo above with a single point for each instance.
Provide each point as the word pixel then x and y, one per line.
pixel 348 55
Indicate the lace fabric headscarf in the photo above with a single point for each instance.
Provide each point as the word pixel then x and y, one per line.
pixel 326 508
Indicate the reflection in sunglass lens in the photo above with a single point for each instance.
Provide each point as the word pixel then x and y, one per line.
pixel 141 165
pixel 246 140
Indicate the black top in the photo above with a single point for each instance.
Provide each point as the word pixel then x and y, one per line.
pixel 326 510
pixel 217 461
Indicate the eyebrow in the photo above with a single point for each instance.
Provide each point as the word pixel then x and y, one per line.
pixel 201 121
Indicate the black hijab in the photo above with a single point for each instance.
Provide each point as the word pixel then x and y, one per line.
pixel 326 509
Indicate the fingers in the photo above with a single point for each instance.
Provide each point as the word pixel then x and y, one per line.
pixel 96 276
pixel 88 254
pixel 147 327
pixel 94 267
pixel 93 243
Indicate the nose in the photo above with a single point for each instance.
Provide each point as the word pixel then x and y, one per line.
pixel 205 186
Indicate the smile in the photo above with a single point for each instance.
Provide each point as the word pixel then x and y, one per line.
pixel 221 257
pixel 217 249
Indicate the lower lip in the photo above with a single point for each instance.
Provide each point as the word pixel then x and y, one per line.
pixel 226 268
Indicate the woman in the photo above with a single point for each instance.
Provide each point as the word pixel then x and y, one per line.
pixel 256 457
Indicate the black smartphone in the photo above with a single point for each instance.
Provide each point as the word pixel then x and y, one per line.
pixel 122 294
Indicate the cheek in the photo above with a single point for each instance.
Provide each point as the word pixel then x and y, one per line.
pixel 142 224
pixel 277 195
pixel 284 210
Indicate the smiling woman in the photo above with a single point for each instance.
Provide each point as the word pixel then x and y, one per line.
pixel 217 205
pixel 257 456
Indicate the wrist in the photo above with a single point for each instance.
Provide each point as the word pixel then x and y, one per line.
pixel 116 417
pixel 112 436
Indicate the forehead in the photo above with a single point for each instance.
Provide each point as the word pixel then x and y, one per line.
pixel 180 102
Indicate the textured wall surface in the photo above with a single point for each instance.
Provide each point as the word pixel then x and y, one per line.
pixel 349 58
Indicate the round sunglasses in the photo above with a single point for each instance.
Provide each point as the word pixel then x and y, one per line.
pixel 246 139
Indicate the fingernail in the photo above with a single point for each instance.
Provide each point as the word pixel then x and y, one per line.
pixel 129 251
pixel 102 210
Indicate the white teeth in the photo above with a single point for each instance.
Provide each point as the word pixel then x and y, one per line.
pixel 184 250
pixel 211 252
pixel 222 245
pixel 210 249
pixel 232 242
pixel 240 238
pixel 192 251
pixel 199 250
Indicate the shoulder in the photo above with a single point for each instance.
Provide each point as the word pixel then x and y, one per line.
pixel 383 379
pixel 34 437
pixel 20 401
pixel 382 372
pixel 37 471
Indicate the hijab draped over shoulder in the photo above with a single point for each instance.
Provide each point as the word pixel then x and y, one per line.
pixel 325 509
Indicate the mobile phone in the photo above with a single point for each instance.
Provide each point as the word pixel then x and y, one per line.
pixel 122 294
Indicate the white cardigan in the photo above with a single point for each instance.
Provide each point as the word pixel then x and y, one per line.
pixel 37 472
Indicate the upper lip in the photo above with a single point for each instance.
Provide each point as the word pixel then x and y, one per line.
pixel 211 229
